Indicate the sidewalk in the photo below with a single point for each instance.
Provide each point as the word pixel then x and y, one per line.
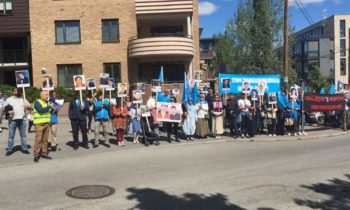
pixel 66 151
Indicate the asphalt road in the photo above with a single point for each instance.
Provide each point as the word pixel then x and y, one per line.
pixel 232 175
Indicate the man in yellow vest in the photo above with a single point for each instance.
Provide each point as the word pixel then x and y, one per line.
pixel 42 115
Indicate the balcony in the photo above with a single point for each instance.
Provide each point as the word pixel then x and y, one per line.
pixel 14 57
pixel 161 47
pixel 163 6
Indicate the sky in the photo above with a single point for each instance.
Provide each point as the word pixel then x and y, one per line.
pixel 214 14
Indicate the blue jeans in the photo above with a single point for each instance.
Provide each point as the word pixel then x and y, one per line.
pixel 22 126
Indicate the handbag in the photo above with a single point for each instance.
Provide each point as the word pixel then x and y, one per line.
pixel 288 122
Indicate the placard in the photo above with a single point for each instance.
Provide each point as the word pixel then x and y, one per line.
pixel 47 83
pixel 111 84
pixel 104 78
pixel 79 82
pixel 141 87
pixel 169 112
pixel 22 78
pixel 122 90
pixel 137 97
pixel 91 84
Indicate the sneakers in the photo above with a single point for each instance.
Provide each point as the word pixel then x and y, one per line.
pixel 8 153
pixel 274 134
pixel 0 130
pixel 288 134
pixel 305 134
pixel 270 134
pixel 300 134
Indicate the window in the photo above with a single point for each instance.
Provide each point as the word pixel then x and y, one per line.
pixel 67 32
pixel 331 54
pixel 113 69
pixel 342 66
pixel 342 47
pixel 110 30
pixel 342 28
pixel 5 7
pixel 66 72
pixel 167 31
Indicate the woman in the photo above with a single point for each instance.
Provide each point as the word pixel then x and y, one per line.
pixel 135 115
pixel 128 104
pixel 292 119
pixel 120 114
pixel 202 128
pixel 189 126
pixel 271 118
pixel 217 120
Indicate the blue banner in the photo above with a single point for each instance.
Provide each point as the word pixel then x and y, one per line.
pixel 238 83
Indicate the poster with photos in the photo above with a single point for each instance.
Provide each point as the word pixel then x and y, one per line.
pixel 137 97
pixel 246 87
pixel 122 90
pixel 169 112
pixel 156 85
pixel 111 84
pixel 22 78
pixel 79 82
pixel 272 98
pixel 47 82
pixel 204 87
pixel 254 95
pixel 104 78
pixel 261 88
pixel 91 84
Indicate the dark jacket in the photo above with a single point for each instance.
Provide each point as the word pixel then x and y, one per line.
pixel 210 99
pixel 75 113
pixel 232 107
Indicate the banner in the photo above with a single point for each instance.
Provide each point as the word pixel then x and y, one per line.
pixel 169 112
pixel 323 102
pixel 236 83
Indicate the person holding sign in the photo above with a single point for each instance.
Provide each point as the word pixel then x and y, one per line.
pixel 217 117
pixel 271 117
pixel 101 110
pixel 77 113
pixel 18 115
pixel 120 114
pixel 233 114
pixel 42 118
pixel 135 115
pixel 202 129
pixel 22 78
pixel 189 126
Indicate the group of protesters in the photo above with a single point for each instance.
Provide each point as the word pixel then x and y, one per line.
pixel 245 117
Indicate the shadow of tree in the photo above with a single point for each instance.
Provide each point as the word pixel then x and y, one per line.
pixel 152 199
pixel 338 190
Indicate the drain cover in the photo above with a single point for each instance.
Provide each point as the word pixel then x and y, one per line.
pixel 90 192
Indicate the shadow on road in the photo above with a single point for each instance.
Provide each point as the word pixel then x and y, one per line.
pixel 337 189
pixel 152 199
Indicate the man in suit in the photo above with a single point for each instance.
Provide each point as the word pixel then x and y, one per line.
pixel 47 83
pixel 77 113
pixel 22 79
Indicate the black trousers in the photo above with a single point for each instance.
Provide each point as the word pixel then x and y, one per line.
pixel 234 126
pixel 89 116
pixel 30 125
pixel 280 124
pixel 76 125
pixel 210 123
pixel 271 126
pixel 170 127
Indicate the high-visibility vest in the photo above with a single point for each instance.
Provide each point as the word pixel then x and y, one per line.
pixel 40 118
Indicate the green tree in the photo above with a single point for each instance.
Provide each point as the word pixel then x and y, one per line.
pixel 318 81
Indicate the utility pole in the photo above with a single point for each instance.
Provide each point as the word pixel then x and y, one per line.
pixel 286 43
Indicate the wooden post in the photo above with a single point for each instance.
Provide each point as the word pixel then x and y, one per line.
pixel 81 99
pixel 24 93
pixel 103 94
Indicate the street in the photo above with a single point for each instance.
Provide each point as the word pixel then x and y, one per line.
pixel 224 175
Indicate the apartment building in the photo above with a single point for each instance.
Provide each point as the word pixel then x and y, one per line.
pixel 14 39
pixel 131 39
pixel 207 56
pixel 325 44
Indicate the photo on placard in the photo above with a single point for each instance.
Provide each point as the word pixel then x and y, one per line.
pixel 204 87
pixel 122 90
pixel 47 83
pixel 156 85
pixel 104 78
pixel 137 97
pixel 141 87
pixel 176 89
pixel 193 82
pixel 91 84
pixel 254 95
pixel 217 105
pixel 22 78
pixel 261 88
pixel 169 112
pixel 246 87
pixel 293 93
pixel 272 98
pixel 226 83
pixel 145 111
pixel 346 88
pixel 111 84
pixel 79 82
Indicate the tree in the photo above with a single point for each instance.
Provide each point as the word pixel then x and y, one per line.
pixel 318 81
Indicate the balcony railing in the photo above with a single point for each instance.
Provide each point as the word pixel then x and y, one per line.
pixel 161 46
pixel 163 6
pixel 14 57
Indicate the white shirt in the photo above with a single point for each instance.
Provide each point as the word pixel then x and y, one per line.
pixel 151 103
pixel 244 104
pixel 18 107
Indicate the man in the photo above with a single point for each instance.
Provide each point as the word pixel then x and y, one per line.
pixel 233 114
pixel 47 83
pixel 246 87
pixel 174 115
pixel 210 99
pixel 42 116
pixel 244 105
pixel 91 83
pixel 21 79
pixel 226 84
pixel 163 112
pixel 122 89
pixel 53 123
pixel 101 110
pixel 78 80
pixel 2 101
pixel 172 125
pixel 18 120
pixel 77 113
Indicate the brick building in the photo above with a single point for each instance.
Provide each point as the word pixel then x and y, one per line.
pixel 130 39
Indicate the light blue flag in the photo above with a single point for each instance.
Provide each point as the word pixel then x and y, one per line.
pixel 331 89
pixel 322 91
pixel 195 94
pixel 161 75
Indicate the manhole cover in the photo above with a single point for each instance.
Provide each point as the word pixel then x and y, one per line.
pixel 90 192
